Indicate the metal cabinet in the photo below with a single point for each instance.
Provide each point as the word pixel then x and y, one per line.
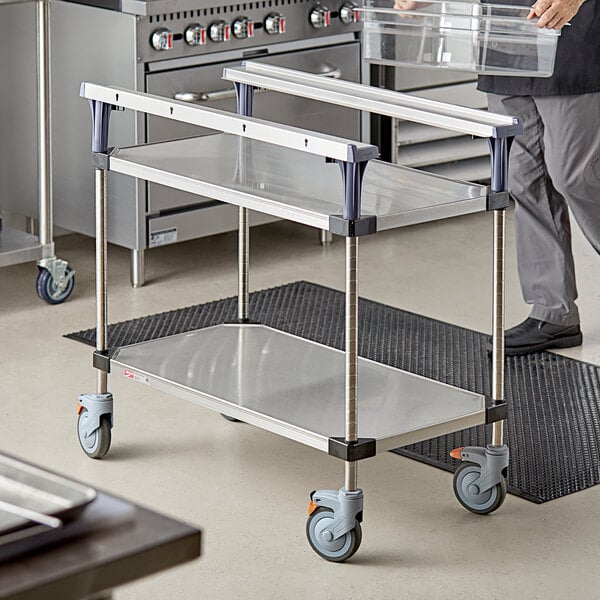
pixel 433 149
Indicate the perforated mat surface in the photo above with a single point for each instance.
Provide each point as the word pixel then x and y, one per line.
pixel 554 402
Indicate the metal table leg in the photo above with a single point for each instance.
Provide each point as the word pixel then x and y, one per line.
pixel 95 411
pixel 138 268
pixel 56 279
pixel 480 481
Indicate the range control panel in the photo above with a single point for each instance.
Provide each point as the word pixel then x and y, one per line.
pixel 230 27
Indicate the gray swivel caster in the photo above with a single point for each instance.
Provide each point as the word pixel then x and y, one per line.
pixel 94 424
pixel 335 550
pixel 480 481
pixel 333 526
pixel 468 494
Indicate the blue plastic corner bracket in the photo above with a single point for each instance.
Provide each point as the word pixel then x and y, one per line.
pixel 352 176
pixel 245 99
pixel 100 117
pixel 499 152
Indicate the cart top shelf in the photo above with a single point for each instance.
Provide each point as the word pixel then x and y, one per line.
pixel 394 104
pixel 294 185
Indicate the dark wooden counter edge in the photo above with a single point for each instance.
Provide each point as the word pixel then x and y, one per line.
pixel 103 560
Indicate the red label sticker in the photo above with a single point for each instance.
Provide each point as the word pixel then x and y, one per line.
pixel 129 374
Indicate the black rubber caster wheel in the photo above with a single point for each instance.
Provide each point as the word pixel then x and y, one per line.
pixel 47 289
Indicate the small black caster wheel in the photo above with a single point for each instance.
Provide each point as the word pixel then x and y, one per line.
pixel 468 494
pixel 333 550
pixel 97 444
pixel 48 290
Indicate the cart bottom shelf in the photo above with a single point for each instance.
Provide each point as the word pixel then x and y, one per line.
pixel 295 387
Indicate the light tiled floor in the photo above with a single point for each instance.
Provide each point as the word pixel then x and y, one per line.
pixel 247 489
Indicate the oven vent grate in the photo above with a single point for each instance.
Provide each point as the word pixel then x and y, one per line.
pixel 218 10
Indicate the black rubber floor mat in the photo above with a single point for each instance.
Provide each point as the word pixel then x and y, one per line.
pixel 554 410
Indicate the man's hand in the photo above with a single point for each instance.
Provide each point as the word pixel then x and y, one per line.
pixel 554 14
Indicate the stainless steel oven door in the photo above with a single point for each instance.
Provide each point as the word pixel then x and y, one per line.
pixel 204 85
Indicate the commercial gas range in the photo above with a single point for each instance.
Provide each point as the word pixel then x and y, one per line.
pixel 172 48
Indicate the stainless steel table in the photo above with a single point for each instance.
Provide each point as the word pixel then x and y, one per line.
pixel 56 279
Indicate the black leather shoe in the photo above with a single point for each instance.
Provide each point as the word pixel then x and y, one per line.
pixel 533 335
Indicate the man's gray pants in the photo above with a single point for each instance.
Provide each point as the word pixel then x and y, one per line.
pixel 554 165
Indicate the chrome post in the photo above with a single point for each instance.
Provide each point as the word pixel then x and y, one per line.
pixel 351 357
pixel 245 102
pixel 394 142
pixel 499 150
pixel 101 274
pixel 243 263
pixel 138 273
pixel 43 130
pixel 498 323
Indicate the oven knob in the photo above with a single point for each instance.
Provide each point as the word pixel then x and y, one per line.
pixel 348 14
pixel 320 17
pixel 162 39
pixel 195 35
pixel 219 32
pixel 275 23
pixel 243 28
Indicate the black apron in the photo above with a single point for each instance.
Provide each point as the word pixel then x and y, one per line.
pixel 577 66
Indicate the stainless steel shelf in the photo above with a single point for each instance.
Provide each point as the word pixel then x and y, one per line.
pixel 18 247
pixel 442 151
pixel 474 169
pixel 258 176
pixel 295 388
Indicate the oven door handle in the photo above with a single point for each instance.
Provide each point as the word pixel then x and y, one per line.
pixel 331 72
pixel 209 96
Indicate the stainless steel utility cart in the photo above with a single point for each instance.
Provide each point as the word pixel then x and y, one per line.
pixel 282 383
pixel 55 278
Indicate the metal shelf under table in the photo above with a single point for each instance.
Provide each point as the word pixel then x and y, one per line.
pixel 295 387
pixel 256 175
pixel 18 247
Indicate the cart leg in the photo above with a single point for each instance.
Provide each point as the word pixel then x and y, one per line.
pixel 95 411
pixel 55 279
pixel 480 481
pixel 351 467
pixel 325 237
pixel 138 268
pixel 245 98
pixel 333 526
pixel 43 104
pixel 243 265
pixel 245 106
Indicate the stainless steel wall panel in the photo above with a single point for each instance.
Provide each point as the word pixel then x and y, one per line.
pixel 18 116
pixel 99 45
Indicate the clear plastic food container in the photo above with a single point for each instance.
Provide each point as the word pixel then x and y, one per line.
pixel 494 39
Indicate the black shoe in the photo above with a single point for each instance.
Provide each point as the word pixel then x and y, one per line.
pixel 533 335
